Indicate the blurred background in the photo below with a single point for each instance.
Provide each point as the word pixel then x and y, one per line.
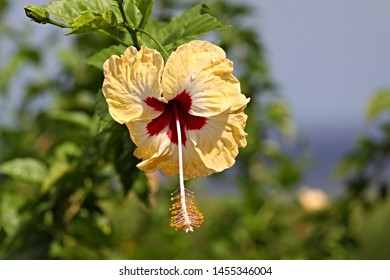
pixel 312 183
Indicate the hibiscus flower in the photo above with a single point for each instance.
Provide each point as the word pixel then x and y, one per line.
pixel 186 117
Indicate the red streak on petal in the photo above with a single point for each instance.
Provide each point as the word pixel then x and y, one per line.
pixel 155 104
pixel 181 104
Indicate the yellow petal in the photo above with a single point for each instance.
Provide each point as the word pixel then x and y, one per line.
pixel 129 80
pixel 236 125
pixel 218 141
pixel 202 69
pixel 155 151
pixel 193 164
pixel 147 145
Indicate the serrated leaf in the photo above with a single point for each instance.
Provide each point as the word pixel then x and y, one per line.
pixel 70 10
pixel 29 170
pixel 192 24
pixel 97 60
pixel 89 22
pixel 378 104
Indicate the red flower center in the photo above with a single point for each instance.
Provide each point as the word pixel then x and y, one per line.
pixel 176 109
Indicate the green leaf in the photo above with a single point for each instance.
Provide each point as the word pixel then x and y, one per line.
pixel 138 12
pixel 132 12
pixel 363 155
pixel 288 172
pixel 70 10
pixel 346 166
pixel 124 163
pixel 378 104
pixel 278 114
pixel 89 22
pixel 76 118
pixel 97 60
pixel 141 188
pixel 192 24
pixel 57 171
pixel 101 110
pixel 29 170
pixel 66 151
pixel 146 8
pixel 62 163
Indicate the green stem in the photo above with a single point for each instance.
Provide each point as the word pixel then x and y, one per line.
pixel 165 52
pixel 62 25
pixel 132 32
pixel 59 24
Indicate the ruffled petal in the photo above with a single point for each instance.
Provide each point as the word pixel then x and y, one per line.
pixel 193 163
pixel 147 146
pixel 129 80
pixel 156 152
pixel 218 141
pixel 202 69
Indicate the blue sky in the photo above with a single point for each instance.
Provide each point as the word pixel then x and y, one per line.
pixel 328 57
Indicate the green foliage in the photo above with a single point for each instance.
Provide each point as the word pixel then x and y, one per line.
pixel 101 110
pixel 70 11
pixel 279 116
pixel 364 169
pixel 29 170
pixel 89 21
pixel 378 104
pixel 112 17
pixel 192 24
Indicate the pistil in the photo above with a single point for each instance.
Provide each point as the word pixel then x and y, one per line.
pixel 184 213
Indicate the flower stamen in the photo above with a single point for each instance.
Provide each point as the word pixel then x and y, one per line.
pixel 184 212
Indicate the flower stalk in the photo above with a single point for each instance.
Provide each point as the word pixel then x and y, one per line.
pixel 165 52
pixel 131 30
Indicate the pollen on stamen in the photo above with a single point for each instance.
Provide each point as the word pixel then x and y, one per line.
pixel 185 215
